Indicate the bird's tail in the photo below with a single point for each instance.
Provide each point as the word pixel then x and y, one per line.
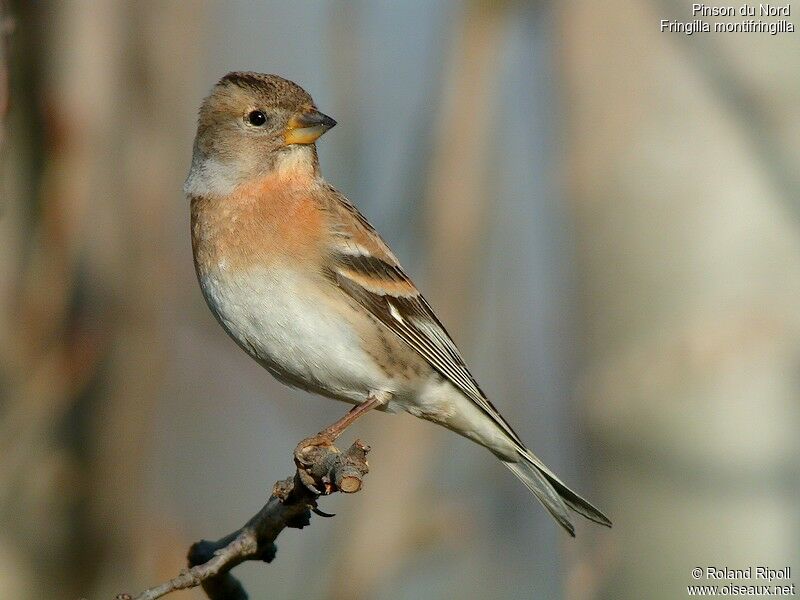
pixel 554 495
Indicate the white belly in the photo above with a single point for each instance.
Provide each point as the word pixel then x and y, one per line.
pixel 297 334
pixel 306 340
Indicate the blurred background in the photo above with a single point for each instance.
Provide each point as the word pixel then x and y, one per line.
pixel 606 217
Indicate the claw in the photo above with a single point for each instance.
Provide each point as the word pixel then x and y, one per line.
pixel 319 440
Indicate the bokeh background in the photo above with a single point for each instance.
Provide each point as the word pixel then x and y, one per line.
pixel 606 217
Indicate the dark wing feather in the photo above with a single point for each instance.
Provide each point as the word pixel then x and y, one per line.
pixel 364 267
pixel 387 293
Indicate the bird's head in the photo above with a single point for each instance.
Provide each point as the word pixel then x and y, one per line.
pixel 252 124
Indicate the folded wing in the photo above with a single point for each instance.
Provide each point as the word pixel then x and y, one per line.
pixel 362 265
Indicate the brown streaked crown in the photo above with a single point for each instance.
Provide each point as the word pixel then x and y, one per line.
pixel 274 90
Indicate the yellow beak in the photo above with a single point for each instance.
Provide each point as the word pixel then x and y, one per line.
pixel 306 127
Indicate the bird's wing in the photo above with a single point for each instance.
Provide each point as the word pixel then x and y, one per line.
pixel 362 265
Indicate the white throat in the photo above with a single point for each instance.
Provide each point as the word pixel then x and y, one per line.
pixel 299 161
pixel 209 177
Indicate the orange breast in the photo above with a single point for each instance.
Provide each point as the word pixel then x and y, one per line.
pixel 266 223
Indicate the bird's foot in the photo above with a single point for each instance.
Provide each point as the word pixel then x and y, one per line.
pixel 322 441
pixel 316 456
pixel 309 455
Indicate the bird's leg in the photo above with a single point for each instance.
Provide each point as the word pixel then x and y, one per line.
pixel 327 436
pixel 308 452
pixel 336 429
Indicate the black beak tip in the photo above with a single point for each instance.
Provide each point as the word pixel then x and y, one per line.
pixel 328 122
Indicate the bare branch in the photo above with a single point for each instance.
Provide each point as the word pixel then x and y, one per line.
pixel 321 469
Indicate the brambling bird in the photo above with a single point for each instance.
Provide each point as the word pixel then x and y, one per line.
pixel 303 283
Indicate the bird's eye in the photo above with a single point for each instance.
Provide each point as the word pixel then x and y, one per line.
pixel 256 118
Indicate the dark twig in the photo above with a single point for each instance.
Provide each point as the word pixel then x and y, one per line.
pixel 321 469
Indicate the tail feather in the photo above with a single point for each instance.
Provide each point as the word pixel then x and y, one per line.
pixel 554 495
pixel 544 492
